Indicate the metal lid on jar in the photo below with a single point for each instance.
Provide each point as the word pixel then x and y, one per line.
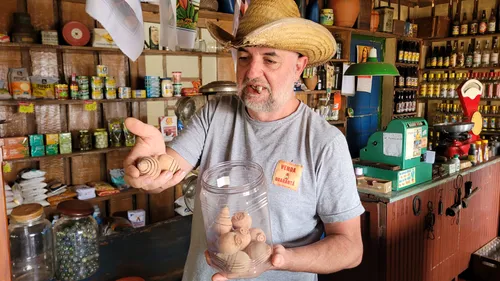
pixel 27 212
pixel 75 208
pixel 84 131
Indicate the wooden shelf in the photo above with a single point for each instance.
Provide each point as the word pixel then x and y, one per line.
pixel 124 194
pixel 435 98
pixel 402 64
pixel 489 132
pixel 65 48
pixel 47 102
pixel 336 122
pixel 459 38
pixel 404 114
pixel 333 28
pixel 463 69
pixel 76 153
pixel 490 115
pixel 405 89
pixel 413 39
pixel 339 60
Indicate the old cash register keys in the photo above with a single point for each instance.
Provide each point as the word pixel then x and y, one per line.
pixel 397 154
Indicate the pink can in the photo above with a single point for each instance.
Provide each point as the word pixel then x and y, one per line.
pixel 176 75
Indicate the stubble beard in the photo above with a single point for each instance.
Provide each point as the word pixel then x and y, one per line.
pixel 273 102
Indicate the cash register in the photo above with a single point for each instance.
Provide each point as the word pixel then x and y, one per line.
pixel 397 154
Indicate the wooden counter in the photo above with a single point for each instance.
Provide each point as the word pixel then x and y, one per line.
pixel 397 246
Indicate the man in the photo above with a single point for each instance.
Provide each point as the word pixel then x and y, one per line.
pixel 266 124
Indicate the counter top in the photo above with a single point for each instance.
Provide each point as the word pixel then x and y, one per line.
pixel 398 195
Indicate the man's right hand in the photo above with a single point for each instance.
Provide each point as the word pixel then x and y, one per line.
pixel 149 142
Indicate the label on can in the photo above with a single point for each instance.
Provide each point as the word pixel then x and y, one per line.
pixel 167 89
pixel 102 70
pixel 326 17
pixel 124 92
pixel 96 82
pixel 61 91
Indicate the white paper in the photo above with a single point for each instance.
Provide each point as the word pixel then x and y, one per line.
pixel 123 20
pixel 168 24
pixel 393 144
pixel 347 81
pixel 364 84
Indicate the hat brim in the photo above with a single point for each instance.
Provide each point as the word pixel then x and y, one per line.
pixel 292 34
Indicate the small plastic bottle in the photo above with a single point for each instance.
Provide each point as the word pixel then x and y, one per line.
pixel 456 161
pixel 472 154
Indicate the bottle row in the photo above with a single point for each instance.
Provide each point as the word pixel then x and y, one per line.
pixel 444 85
pixel 477 25
pixel 408 78
pixel 405 102
pixel 476 56
pixel 408 52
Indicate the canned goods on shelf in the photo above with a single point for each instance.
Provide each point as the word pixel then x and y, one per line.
pixel 61 91
pixel 102 70
pixel 124 92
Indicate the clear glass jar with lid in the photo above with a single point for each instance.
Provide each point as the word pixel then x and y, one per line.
pixel 31 244
pixel 77 241
pixel 236 218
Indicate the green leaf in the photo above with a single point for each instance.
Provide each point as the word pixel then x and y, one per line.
pixel 195 18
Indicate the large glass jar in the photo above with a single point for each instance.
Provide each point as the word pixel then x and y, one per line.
pixel 100 138
pixel 236 219
pixel 85 140
pixel 31 244
pixel 77 241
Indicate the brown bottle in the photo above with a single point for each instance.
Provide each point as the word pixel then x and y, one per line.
pixel 492 22
pixel 483 25
pixel 73 87
pixel 464 27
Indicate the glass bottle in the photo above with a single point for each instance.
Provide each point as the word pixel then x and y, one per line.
pixel 31 244
pixel 440 59
pixel 430 85
pixel 402 76
pixel 473 26
pixel 455 28
pixel 73 87
pixel 236 191
pixel 340 45
pixel 461 56
pixel 434 59
pixel 400 51
pixel 485 56
pixel 452 85
pixel 469 58
pixel 77 241
pixel 492 22
pixel 494 53
pixel 464 26
pixel 447 55
pixel 454 55
pixel 477 56
pixel 406 54
pixel 423 85
pixel 437 85
pixel 417 53
pixel 444 86
pixel 483 25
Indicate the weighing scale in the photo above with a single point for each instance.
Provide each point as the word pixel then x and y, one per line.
pixel 396 154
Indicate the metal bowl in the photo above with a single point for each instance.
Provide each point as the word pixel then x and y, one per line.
pixel 454 128
pixel 219 87
pixel 185 109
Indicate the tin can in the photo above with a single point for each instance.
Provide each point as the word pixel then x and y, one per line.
pixel 177 90
pixel 493 123
pixel 61 91
pixel 96 82
pixel 124 92
pixel 83 87
pixel 102 70
pixel 176 75
pixel 167 88
pixel 326 17
pixel 485 123
pixel 139 94
pixel 110 87
pixel 100 138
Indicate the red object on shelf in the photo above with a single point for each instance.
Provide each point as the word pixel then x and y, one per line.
pixel 76 33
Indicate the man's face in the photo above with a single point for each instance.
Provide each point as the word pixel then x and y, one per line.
pixel 266 77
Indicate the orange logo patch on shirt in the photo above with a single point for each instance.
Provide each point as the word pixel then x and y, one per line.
pixel 287 175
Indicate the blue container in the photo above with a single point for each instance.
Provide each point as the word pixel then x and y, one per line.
pixel 226 6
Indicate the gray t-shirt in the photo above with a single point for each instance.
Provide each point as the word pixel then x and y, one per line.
pixel 326 192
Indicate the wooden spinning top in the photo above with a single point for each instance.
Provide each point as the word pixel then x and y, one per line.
pixel 154 165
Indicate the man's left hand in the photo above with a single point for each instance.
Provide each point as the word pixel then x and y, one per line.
pixel 278 260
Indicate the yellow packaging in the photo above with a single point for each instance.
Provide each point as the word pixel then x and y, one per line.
pixel 51 139
pixel 43 87
pixel 138 94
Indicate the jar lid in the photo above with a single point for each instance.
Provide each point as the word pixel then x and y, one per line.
pixel 84 131
pixel 75 208
pixel 27 212
pixel 100 130
pixel 327 10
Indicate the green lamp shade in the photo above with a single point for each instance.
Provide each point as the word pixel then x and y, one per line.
pixel 372 67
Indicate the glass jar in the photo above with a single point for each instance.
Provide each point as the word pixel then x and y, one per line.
pixel 85 140
pixel 77 241
pixel 31 244
pixel 100 138
pixel 236 219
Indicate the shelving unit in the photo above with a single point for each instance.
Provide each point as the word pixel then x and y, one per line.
pixel 74 154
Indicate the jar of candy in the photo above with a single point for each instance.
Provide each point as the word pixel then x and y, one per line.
pixel 31 244
pixel 236 218
pixel 85 140
pixel 101 138
pixel 77 241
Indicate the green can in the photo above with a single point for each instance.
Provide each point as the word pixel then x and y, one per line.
pixel 326 17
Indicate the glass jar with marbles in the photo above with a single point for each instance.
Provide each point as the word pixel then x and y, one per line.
pixel 76 241
pixel 100 138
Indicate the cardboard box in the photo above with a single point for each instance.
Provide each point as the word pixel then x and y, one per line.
pixel 65 148
pixel 52 139
pixel 12 142
pixel 433 27
pixel 137 217
pixel 168 127
pixel 36 140
pixel 15 152
pixel 102 38
pixel 37 151
pixel 64 138
pixel 52 149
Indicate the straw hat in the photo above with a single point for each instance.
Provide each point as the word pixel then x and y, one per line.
pixel 278 25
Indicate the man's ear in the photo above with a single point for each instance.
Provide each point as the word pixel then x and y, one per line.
pixel 301 64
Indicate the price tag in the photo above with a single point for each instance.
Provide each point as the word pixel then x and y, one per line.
pixel 26 107
pixel 90 106
pixel 6 167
